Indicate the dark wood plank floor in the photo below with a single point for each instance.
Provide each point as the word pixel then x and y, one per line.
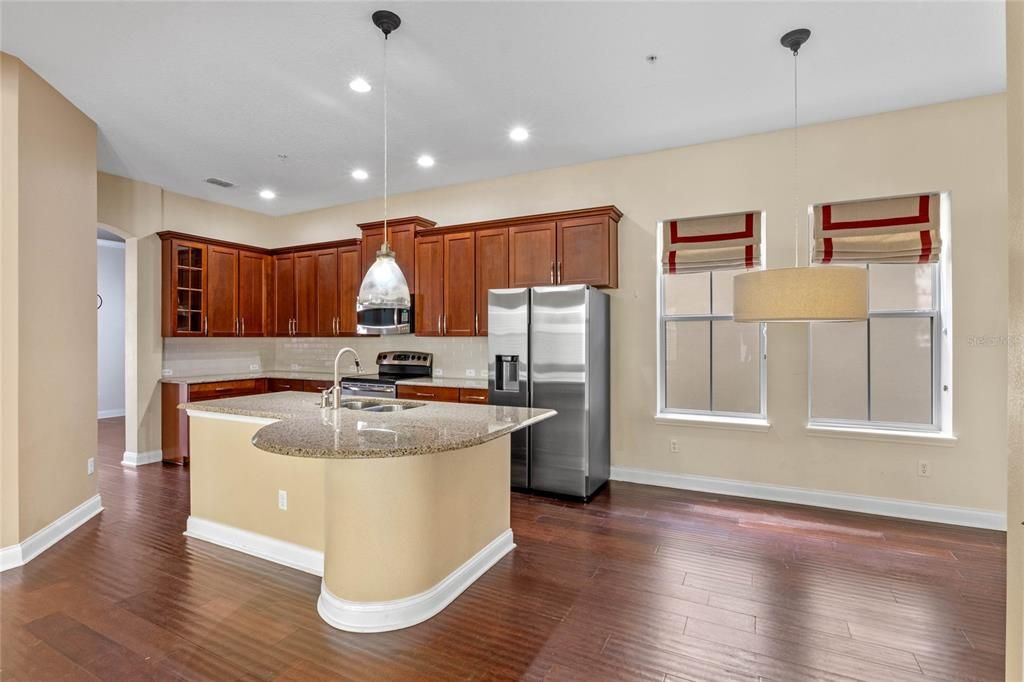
pixel 644 583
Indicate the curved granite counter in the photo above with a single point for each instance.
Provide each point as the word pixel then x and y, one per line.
pixel 398 511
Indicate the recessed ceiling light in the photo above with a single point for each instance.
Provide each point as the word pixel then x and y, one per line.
pixel 360 85
pixel 360 174
pixel 519 134
pixel 425 161
pixel 267 194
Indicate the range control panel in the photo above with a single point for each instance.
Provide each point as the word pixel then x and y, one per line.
pixel 405 357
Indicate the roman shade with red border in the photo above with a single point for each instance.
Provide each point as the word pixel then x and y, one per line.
pixel 892 230
pixel 717 242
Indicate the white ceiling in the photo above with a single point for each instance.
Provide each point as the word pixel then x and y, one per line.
pixel 184 91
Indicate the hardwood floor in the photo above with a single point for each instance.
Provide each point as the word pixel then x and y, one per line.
pixel 643 583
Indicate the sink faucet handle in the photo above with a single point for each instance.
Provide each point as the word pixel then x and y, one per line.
pixel 325 397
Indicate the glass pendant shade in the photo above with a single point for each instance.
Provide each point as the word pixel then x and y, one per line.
pixel 383 305
pixel 801 294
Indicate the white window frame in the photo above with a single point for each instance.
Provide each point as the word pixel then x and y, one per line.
pixel 666 414
pixel 942 355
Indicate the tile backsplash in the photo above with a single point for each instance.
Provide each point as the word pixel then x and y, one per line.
pixel 455 357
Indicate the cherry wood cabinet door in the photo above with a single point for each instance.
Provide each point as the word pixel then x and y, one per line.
pixel 491 269
pixel 403 243
pixel 305 294
pixel 184 282
pixel 429 307
pixel 350 277
pixel 370 245
pixel 284 294
pixel 459 317
pixel 222 291
pixel 587 252
pixel 531 254
pixel 253 269
pixel 326 292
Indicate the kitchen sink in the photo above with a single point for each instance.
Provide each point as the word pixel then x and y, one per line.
pixel 376 406
pixel 389 407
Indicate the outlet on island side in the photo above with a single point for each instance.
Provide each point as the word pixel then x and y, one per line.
pixel 90 465
pixel 924 468
pixel 282 500
pixel 673 445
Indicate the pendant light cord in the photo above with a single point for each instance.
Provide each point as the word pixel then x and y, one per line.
pixel 386 245
pixel 796 167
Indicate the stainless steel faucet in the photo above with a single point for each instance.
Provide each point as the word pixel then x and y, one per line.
pixel 332 396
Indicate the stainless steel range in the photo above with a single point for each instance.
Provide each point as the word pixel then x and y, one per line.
pixel 392 367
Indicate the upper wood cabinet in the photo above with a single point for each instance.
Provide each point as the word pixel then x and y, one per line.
pixel 532 254
pixel 305 294
pixel 429 306
pixel 184 287
pixel 284 294
pixel 459 316
pixel 402 238
pixel 326 292
pixel 222 291
pixel 588 251
pixel 253 292
pixel 350 277
pixel 492 261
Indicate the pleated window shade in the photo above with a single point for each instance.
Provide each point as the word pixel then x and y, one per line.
pixel 720 242
pixel 893 230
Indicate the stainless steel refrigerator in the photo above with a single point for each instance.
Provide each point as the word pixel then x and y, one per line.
pixel 549 347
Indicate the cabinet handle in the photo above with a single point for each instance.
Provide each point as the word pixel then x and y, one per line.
pixel 236 326
pixel 243 326
pixel 424 395
pixel 337 326
pixel 475 397
pixel 206 326
pixel 439 332
pixel 476 322
pixel 444 322
pixel 559 278
pixel 552 272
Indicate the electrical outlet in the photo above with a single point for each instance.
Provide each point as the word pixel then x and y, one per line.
pixel 282 500
pixel 924 468
pixel 673 445
pixel 470 372
pixel 166 372
pixel 438 372
pixel 294 366
pixel 90 465
pixel 254 368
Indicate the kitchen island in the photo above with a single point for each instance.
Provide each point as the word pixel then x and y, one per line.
pixel 399 507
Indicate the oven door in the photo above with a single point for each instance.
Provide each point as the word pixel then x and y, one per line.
pixel 362 390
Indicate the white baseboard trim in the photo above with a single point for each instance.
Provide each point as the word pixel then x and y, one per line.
pixel 257 545
pixel 44 538
pixel 384 616
pixel 137 459
pixel 881 506
pixel 107 414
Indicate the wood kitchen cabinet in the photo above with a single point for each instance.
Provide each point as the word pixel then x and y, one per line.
pixel 305 294
pixel 184 280
pixel 350 277
pixel 588 251
pixel 174 422
pixel 431 393
pixel 222 291
pixel 253 285
pixel 491 269
pixel 284 294
pixel 326 322
pixel 532 254
pixel 402 237
pixel 429 308
pixel 459 315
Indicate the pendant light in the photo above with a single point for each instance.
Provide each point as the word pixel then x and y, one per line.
pixel 800 294
pixel 383 304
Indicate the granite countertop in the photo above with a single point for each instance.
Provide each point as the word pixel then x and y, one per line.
pixel 262 374
pixel 446 382
pixel 304 430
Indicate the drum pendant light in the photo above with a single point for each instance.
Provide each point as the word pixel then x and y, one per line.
pixel 383 304
pixel 800 294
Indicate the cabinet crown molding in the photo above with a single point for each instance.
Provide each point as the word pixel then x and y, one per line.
pixel 419 222
pixel 610 211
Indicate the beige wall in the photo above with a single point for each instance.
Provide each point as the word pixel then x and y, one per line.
pixel 959 147
pixel 54 242
pixel 1015 347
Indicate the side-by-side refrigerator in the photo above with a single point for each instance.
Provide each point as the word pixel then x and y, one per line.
pixel 549 348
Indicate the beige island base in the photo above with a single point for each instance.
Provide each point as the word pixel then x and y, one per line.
pixel 399 512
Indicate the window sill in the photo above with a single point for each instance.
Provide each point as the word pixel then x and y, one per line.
pixel 892 436
pixel 713 422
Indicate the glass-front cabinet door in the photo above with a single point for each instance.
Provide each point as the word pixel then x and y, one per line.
pixel 188 273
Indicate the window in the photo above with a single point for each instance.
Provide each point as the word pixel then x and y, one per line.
pixel 709 365
pixel 891 371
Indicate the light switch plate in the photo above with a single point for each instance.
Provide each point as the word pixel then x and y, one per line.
pixel 470 372
pixel 166 372
pixel 282 500
pixel 255 368
pixel 90 466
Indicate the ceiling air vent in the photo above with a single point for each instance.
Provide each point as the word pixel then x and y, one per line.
pixel 219 182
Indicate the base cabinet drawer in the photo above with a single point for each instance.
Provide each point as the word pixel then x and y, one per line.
pixel 278 385
pixel 226 389
pixel 174 422
pixel 438 393
pixel 473 395
pixel 316 385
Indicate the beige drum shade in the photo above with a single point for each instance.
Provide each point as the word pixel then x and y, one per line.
pixel 801 295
